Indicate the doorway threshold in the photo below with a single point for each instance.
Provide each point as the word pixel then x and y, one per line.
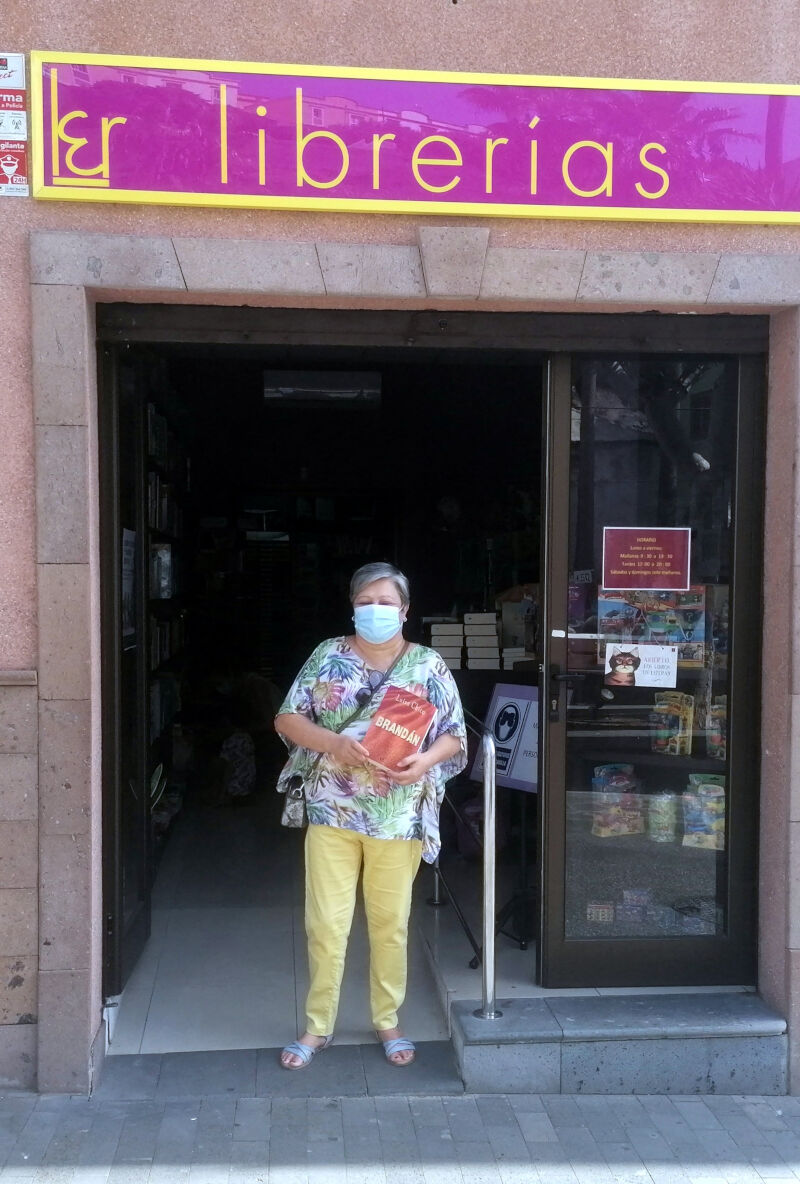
pixel 345 1071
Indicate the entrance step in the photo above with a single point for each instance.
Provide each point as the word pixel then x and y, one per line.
pixel 347 1070
pixel 623 1044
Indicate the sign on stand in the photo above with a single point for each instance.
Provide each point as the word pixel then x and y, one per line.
pixel 513 719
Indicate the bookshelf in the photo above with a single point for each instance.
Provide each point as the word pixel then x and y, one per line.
pixel 167 488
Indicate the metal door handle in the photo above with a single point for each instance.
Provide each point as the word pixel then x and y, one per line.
pixel 557 675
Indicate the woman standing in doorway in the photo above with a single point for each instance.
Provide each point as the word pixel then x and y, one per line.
pixel 359 815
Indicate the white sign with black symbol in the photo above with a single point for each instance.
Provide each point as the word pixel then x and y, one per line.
pixel 513 719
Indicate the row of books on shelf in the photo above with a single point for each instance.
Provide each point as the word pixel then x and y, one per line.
pixel 164 447
pixel 163 511
pixel 164 574
pixel 167 638
pixel 474 643
pixel 165 703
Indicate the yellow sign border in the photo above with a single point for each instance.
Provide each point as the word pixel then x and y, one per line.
pixel 43 192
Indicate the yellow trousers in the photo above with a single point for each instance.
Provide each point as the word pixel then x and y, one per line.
pixel 334 859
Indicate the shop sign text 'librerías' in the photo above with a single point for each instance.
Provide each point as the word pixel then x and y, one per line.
pixel 180 132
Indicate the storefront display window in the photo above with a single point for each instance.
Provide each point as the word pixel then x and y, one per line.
pixel 652 486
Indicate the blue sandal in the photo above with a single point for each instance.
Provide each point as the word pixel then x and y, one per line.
pixel 304 1051
pixel 398 1044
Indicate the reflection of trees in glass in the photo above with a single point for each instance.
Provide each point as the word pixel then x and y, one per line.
pixel 680 411
pixel 695 129
pixel 696 136
pixel 170 122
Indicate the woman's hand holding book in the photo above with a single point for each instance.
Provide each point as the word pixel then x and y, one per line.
pixel 347 751
pixel 411 769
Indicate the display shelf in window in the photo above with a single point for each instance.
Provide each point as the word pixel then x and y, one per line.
pixel 627 752
pixel 644 852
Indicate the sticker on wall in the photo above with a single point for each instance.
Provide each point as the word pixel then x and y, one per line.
pixel 14 169
pixel 13 114
pixel 14 181
pixel 12 71
pixel 14 124
pixel 641 665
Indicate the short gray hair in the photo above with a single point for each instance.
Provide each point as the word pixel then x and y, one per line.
pixel 371 572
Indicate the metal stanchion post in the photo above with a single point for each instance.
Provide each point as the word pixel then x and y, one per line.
pixel 488 1011
pixel 436 901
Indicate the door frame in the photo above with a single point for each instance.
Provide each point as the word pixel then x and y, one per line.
pixel 730 958
pixel 551 337
pixel 123 941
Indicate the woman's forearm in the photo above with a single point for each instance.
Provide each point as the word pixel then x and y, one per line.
pixel 442 749
pixel 304 733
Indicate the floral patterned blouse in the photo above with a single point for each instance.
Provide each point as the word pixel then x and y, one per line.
pixel 362 797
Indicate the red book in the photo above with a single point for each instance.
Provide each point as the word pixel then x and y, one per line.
pixel 398 728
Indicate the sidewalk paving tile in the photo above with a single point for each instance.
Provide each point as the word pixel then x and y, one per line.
pixel 395 1138
pixel 127 1077
pixel 192 1074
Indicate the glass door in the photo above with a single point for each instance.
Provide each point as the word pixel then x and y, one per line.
pixel 651 670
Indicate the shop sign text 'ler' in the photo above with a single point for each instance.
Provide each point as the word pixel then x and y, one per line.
pixel 182 132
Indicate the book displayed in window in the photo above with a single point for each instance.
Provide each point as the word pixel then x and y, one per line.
pixel 398 728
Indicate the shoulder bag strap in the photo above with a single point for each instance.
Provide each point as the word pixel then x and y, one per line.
pixel 363 707
pixel 374 690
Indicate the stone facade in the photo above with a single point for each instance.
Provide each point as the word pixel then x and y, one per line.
pixel 60 258
pixel 454 267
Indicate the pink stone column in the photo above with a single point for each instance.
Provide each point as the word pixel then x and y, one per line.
pixel 779 876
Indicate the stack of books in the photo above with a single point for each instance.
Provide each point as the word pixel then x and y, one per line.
pixel 481 641
pixel 511 654
pixel 447 638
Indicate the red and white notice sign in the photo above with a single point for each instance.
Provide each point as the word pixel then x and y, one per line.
pixel 13 114
pixel 642 557
pixel 14 181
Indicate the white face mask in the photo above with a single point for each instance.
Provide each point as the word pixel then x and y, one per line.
pixel 377 622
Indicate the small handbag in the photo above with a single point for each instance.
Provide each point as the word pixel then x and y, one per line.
pixel 294 813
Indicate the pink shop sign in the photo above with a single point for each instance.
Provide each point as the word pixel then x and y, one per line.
pixel 234 134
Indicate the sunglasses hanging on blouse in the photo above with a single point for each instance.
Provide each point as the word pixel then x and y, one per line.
pixel 374 678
